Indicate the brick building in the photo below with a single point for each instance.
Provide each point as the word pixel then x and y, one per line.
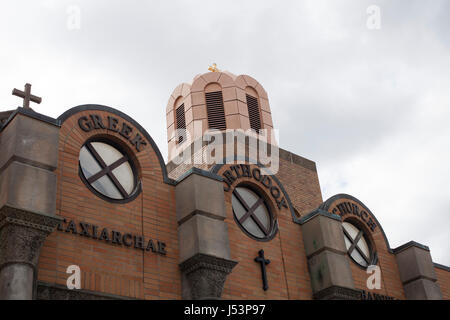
pixel 91 189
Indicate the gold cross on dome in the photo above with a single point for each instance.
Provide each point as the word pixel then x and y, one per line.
pixel 213 68
pixel 27 96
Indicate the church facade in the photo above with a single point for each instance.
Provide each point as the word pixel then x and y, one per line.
pixel 230 216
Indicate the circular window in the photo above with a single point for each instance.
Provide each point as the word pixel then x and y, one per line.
pixel 252 214
pixel 358 247
pixel 107 171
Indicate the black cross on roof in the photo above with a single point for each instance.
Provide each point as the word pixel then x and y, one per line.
pixel 27 96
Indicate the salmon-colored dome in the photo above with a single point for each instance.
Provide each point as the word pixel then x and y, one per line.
pixel 217 100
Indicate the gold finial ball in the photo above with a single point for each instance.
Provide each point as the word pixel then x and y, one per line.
pixel 213 68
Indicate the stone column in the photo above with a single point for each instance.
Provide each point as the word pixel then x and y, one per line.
pixel 28 157
pixel 331 277
pixel 203 235
pixel 417 272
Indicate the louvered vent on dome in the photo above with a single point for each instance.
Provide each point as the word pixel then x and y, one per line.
pixel 253 113
pixel 215 110
pixel 180 123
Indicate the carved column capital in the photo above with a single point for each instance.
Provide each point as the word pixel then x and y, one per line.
pixel 22 234
pixel 206 275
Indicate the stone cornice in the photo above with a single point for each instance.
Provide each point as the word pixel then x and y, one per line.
pixel 42 222
pixel 207 262
pixel 338 293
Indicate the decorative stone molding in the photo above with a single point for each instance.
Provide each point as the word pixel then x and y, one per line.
pixel 19 244
pixel 22 234
pixel 47 291
pixel 338 293
pixel 206 275
pixel 11 215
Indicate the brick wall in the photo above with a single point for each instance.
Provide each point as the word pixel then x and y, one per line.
pixel 134 273
pixel 443 279
pixel 390 279
pixel 287 273
pixel 107 267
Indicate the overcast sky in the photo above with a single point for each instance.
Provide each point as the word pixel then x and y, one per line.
pixel 370 106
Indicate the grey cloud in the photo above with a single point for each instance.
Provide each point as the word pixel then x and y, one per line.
pixel 360 103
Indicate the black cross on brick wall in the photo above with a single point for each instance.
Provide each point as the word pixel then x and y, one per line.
pixel 264 262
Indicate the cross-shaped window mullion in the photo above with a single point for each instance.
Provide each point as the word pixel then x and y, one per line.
pixel 260 225
pixel 349 237
pixel 251 212
pixel 118 185
pixel 242 201
pixel 354 244
pixel 355 241
pixel 107 170
pixel 362 254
